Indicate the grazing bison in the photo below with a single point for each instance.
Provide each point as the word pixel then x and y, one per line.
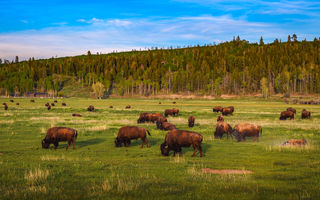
pixel 32 101
pixel 175 111
pixel 286 114
pixel 17 104
pixel 76 115
pixel 227 111
pixel 154 117
pixel 305 114
pixel 295 142
pixel 55 101
pixel 47 104
pixel 222 128
pixel 127 133
pixel 243 130
pixel 91 108
pixel 110 106
pixel 217 109
pixel 48 107
pixel 52 104
pixel 6 107
pixel 166 126
pixel 63 104
pixel 142 118
pixel 175 139
pixel 168 112
pixel 4 103
pixel 159 102
pixel 11 100
pixel 191 120
pixel 128 107
pixel 174 102
pixel 161 120
pixel 292 110
pixel 58 134
pixel 220 118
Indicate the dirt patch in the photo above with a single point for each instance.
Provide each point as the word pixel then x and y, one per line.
pixel 225 171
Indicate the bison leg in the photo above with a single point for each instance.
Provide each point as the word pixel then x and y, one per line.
pixel 69 142
pixel 143 140
pixel 200 149
pixel 147 142
pixel 56 145
pixel 74 144
pixel 195 147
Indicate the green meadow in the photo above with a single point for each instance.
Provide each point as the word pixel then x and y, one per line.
pixel 99 170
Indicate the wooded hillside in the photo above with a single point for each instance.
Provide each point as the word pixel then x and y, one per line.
pixel 236 67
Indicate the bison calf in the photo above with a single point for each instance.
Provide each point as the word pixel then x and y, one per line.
pixel 286 114
pixel 91 108
pixel 191 120
pixel 58 134
pixel 305 114
pixel 243 130
pixel 128 133
pixel 175 139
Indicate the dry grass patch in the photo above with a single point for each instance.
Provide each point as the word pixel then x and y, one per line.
pixel 41 189
pixel 36 176
pixel 62 157
pixel 225 171
pixel 6 121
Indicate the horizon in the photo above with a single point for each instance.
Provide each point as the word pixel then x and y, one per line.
pixel 60 29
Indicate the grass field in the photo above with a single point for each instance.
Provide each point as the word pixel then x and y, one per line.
pixel 98 170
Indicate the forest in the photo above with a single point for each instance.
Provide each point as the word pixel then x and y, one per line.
pixel 235 67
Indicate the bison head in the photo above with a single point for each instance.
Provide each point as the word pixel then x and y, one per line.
pixel 164 149
pixel 117 142
pixel 45 144
pixel 237 135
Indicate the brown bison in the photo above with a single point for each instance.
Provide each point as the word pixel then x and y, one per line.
pixel 58 134
pixel 217 109
pixel 17 104
pixel 110 106
pixel 32 101
pixel 295 142
pixel 175 139
pixel 168 112
pixel 222 128
pixel 128 107
pixel 174 102
pixel 243 130
pixel 286 114
pixel 91 108
pixel 161 120
pixel 76 115
pixel 153 117
pixel 4 103
pixel 49 107
pixel 63 104
pixel 220 118
pixel 227 111
pixel 11 100
pixel 142 118
pixel 47 104
pixel 6 107
pixel 305 114
pixel 159 102
pixel 127 133
pixel 166 126
pixel 191 120
pixel 292 110
pixel 55 101
pixel 52 104
pixel 175 111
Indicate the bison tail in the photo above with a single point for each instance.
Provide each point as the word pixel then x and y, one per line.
pixel 76 135
pixel 148 132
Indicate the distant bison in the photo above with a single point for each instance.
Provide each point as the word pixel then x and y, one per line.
pixel 76 115
pixel 58 134
pixel 292 110
pixel 175 111
pixel 55 101
pixel 6 107
pixel 17 104
pixel 11 100
pixel 127 133
pixel 47 104
pixel 217 109
pixel 4 103
pixel 91 108
pixel 110 106
pixel 48 107
pixel 191 120
pixel 128 107
pixel 286 114
pixel 166 126
pixel 159 102
pixel 63 104
pixel 174 102
pixel 305 114
pixel 142 118
pixel 243 130
pixel 220 118
pixel 32 101
pixel 227 111
pixel 168 112
pixel 176 139
pixel 295 142
pixel 52 104
pixel 221 129
pixel 161 120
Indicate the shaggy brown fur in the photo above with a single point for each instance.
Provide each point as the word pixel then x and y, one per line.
pixel 128 133
pixel 58 134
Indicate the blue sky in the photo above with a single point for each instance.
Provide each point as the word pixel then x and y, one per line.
pixel 42 29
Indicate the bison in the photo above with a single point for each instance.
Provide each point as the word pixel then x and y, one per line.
pixel 167 126
pixel 305 114
pixel 161 120
pixel 76 115
pixel 6 107
pixel 286 114
pixel 175 111
pixel 191 120
pixel 11 100
pixel 110 106
pixel 174 102
pixel 168 112
pixel 49 107
pixel 217 109
pixel 292 110
pixel 175 139
pixel 128 107
pixel 222 128
pixel 47 104
pixel 17 104
pixel 4 103
pixel 52 104
pixel 159 102
pixel 227 111
pixel 91 108
pixel 55 101
pixel 243 130
pixel 58 134
pixel 295 142
pixel 63 104
pixel 142 118
pixel 220 118
pixel 127 133
pixel 32 101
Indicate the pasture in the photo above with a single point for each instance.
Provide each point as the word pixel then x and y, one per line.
pixel 99 170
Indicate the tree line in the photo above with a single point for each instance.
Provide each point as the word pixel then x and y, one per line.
pixel 234 67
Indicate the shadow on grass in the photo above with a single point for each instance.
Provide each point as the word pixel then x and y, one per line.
pixel 80 144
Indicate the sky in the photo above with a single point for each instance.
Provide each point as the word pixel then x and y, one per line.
pixel 58 28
